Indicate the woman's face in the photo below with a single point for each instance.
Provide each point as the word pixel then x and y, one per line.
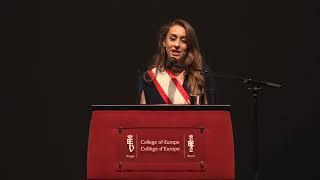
pixel 176 42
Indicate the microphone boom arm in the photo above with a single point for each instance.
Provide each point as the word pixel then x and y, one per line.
pixel 248 81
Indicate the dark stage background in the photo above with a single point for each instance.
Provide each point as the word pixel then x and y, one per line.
pixel 62 57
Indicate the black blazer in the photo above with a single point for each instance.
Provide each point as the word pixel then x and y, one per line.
pixel 152 95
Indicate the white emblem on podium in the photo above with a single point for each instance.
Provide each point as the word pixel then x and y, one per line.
pixel 191 143
pixel 130 143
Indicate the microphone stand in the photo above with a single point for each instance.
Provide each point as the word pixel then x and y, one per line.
pixel 255 86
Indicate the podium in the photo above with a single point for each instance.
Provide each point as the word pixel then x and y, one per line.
pixel 160 142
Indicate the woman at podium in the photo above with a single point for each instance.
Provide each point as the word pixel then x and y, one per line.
pixel 174 76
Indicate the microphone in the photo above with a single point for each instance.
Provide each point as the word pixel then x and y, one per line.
pixel 172 62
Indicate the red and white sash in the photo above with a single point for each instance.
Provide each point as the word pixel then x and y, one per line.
pixel 169 87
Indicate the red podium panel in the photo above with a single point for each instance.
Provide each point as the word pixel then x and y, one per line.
pixel 160 142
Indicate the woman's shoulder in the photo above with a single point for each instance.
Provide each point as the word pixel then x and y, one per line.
pixel 144 76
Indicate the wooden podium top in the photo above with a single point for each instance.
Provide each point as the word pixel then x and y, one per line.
pixel 160 107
